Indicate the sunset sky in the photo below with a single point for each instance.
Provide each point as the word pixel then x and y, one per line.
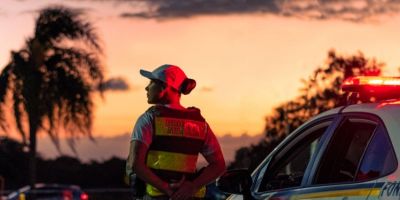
pixel 246 58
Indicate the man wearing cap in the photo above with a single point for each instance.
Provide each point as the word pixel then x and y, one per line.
pixel 167 139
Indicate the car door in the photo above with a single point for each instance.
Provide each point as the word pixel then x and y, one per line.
pixel 358 154
pixel 285 170
pixel 353 156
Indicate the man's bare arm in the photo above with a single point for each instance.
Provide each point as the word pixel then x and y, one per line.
pixel 129 160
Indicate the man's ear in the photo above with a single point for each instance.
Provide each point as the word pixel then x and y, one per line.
pixel 164 90
pixel 164 96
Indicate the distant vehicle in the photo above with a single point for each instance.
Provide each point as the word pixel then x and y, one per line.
pixel 349 152
pixel 49 192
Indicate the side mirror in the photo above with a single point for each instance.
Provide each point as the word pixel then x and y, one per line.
pixel 237 181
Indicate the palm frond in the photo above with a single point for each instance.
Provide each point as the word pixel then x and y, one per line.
pixel 70 96
pixel 4 82
pixel 51 121
pixel 18 107
pixel 80 61
pixel 4 88
pixel 17 69
pixel 71 144
pixel 57 23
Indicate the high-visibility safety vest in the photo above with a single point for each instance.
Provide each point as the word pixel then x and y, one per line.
pixel 177 140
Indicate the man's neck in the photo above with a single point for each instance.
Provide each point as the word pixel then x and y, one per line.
pixel 177 106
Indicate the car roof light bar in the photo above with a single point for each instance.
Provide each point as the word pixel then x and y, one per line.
pixel 353 83
pixel 371 88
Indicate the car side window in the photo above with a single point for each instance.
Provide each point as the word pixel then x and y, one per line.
pixel 344 152
pixel 287 168
pixel 379 159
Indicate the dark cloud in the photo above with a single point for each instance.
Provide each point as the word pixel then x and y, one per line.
pixel 188 8
pixel 349 10
pixel 352 10
pixel 115 84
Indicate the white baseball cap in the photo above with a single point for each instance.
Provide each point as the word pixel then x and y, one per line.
pixel 170 74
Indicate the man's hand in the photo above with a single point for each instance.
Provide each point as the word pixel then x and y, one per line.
pixel 166 189
pixel 176 186
pixel 186 190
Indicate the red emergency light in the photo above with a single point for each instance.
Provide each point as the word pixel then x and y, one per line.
pixel 84 196
pixel 371 88
pixel 370 81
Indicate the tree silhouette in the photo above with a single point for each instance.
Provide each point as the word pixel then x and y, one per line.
pixel 62 170
pixel 51 80
pixel 320 92
pixel 13 163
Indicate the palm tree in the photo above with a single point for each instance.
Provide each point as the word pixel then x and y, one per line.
pixel 50 82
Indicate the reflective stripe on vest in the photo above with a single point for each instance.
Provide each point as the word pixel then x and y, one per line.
pixel 171 161
pixel 176 144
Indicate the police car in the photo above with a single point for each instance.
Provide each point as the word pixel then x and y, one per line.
pixel 350 152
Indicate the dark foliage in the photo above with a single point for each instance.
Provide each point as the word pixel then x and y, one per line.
pixel 68 170
pixel 64 169
pixel 13 163
pixel 320 92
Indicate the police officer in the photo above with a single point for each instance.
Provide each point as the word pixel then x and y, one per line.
pixel 167 139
